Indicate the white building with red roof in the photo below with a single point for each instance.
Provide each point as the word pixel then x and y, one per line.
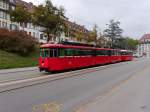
pixel 144 46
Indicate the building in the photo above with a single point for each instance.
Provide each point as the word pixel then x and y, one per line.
pixel 33 30
pixel 37 31
pixel 5 22
pixel 103 42
pixel 144 47
pixel 5 6
pixel 73 29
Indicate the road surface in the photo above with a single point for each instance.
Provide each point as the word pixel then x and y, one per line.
pixel 68 94
pixel 131 96
pixel 18 74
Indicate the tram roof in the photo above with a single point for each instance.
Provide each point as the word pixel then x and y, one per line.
pixel 73 46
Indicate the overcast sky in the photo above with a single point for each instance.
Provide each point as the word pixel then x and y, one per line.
pixel 134 15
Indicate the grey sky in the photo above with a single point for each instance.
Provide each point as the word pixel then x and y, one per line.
pixel 133 14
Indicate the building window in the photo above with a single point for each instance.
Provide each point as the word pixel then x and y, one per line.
pixel 13 27
pixel 41 36
pixel 4 5
pixel 24 25
pixel 4 25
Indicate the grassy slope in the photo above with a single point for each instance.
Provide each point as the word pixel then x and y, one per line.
pixel 9 60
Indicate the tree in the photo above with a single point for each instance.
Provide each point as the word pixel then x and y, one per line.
pixel 50 18
pixel 92 36
pixel 20 15
pixel 126 43
pixel 16 42
pixel 132 43
pixel 79 36
pixel 113 31
pixel 121 43
pixel 95 33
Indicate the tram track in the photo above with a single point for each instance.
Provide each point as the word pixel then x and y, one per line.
pixel 46 77
pixel 40 74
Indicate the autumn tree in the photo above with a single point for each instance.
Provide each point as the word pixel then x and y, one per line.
pixel 50 18
pixel 79 36
pixel 92 36
pixel 20 15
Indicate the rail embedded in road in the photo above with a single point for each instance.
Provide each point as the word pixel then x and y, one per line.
pixel 45 77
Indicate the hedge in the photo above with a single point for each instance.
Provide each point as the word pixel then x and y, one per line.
pixel 17 42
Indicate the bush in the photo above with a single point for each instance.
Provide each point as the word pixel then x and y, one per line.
pixel 17 42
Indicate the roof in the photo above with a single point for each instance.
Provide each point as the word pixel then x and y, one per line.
pixel 145 36
pixel 29 6
pixel 12 2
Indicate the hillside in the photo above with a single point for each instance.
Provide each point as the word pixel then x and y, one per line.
pixel 10 60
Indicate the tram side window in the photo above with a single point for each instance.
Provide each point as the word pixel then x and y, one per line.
pixel 83 52
pixel 53 52
pixel 113 53
pixel 102 53
pixel 89 52
pixel 61 52
pixel 131 53
pixel 126 53
pixel 79 52
pixel 69 52
pixel 48 52
pixel 123 53
pixel 44 52
pixel 76 52
pixel 117 53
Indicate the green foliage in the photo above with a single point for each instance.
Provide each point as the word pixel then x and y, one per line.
pixel 113 31
pixel 16 42
pixel 132 43
pixel 50 18
pixel 126 43
pixel 10 60
pixel 20 14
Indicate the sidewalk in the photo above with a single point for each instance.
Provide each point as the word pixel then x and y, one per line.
pixel 5 71
pixel 132 95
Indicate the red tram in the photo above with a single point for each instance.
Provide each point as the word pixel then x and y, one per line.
pixel 59 57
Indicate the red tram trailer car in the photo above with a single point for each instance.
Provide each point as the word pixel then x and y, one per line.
pixel 59 57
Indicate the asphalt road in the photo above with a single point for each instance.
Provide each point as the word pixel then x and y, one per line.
pixel 130 96
pixel 68 94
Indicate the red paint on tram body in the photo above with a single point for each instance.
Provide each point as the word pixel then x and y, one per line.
pixel 59 57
